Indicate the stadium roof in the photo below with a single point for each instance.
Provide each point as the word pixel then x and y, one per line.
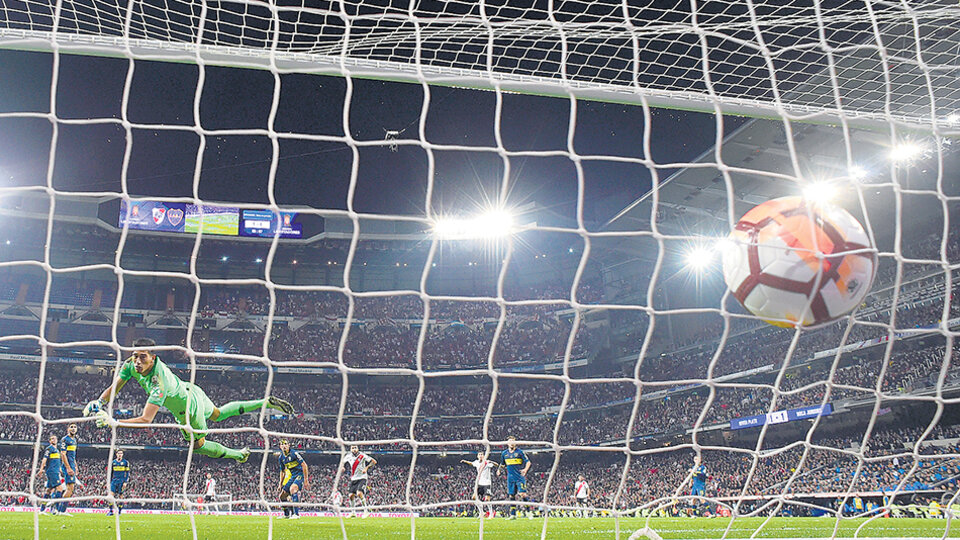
pixel 761 164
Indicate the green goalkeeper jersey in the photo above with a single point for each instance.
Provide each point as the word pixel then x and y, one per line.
pixel 165 389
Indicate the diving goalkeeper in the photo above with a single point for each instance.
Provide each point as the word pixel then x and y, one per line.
pixel 186 402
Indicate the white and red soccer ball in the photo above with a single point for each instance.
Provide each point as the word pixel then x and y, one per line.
pixel 795 262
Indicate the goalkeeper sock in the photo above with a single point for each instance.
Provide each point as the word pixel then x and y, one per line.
pixel 240 407
pixel 217 450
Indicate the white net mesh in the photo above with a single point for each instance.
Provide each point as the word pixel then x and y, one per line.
pixel 583 335
pixel 872 61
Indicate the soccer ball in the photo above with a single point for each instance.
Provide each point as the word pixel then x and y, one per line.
pixel 795 262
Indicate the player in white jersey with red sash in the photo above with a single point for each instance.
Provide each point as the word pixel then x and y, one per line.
pixel 358 464
pixel 484 491
pixel 581 492
pixel 210 494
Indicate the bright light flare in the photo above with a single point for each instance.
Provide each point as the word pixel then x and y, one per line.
pixel 489 225
pixel 905 152
pixel 699 258
pixel 858 173
pixel 820 192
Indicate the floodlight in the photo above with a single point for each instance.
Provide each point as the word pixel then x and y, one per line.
pixel 905 152
pixel 953 118
pixel 491 224
pixel 857 172
pixel 820 192
pixel 224 258
pixel 699 258
pixel 446 227
pixel 259 260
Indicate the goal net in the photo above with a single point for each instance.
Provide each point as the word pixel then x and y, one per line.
pixel 431 226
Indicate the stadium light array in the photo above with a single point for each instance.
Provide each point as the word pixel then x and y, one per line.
pixel 489 225
pixel 905 152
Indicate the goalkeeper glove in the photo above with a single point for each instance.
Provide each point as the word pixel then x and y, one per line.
pixel 104 420
pixel 93 407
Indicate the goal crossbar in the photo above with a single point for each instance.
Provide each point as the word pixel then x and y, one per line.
pixel 874 80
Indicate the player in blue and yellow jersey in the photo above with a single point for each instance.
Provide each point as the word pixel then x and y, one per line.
pixel 517 464
pixel 68 459
pixel 52 467
pixel 699 487
pixel 294 477
pixel 119 475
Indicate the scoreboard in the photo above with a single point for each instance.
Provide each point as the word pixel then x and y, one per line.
pixel 219 220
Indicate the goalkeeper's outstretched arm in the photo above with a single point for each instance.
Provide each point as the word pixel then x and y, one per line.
pixel 150 410
pixel 94 406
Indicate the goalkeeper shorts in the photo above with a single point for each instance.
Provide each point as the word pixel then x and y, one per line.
pixel 196 417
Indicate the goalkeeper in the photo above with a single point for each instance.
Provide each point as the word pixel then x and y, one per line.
pixel 186 402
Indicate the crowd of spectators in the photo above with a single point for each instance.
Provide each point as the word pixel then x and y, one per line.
pixel 594 412
pixel 771 346
pixel 449 415
pixel 834 466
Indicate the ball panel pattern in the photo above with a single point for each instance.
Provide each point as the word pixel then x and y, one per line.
pixel 805 263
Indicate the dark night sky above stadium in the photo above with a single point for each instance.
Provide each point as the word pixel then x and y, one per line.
pixel 317 172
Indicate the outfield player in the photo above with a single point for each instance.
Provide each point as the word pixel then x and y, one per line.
pixel 359 464
pixel 581 493
pixel 517 464
pixel 699 487
pixel 68 461
pixel 52 467
pixel 210 494
pixel 119 475
pixel 186 402
pixel 294 476
pixel 484 491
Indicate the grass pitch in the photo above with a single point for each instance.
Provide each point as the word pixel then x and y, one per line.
pixel 16 526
